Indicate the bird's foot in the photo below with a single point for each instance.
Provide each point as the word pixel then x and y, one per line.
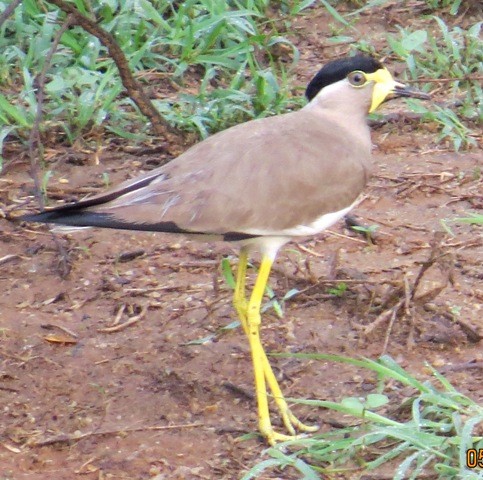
pixel 272 437
pixel 292 423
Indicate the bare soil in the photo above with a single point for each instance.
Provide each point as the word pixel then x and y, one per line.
pixel 83 394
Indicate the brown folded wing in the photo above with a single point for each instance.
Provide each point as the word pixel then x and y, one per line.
pixel 270 175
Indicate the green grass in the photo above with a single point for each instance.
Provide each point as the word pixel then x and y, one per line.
pixel 229 54
pixel 436 51
pixel 439 6
pixel 473 218
pixel 226 65
pixel 275 303
pixel 455 56
pixel 429 435
pixel 368 231
pixel 452 5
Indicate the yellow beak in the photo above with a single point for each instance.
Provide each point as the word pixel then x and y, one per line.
pixel 386 87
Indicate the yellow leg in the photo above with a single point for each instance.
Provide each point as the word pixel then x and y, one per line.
pixel 249 314
pixel 239 298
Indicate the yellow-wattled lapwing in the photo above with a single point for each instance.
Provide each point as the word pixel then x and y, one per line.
pixel 261 184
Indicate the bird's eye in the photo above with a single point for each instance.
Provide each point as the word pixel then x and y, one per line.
pixel 358 79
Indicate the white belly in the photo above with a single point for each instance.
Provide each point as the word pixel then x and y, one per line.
pixel 269 241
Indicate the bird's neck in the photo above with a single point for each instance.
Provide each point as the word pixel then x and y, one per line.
pixel 344 115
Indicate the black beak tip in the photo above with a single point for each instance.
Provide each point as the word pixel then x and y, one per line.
pixel 407 92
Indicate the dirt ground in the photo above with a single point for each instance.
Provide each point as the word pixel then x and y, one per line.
pixel 85 395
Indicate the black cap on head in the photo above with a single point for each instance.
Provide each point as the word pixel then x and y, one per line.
pixel 338 70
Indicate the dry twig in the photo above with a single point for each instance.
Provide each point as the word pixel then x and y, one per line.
pixel 34 137
pixel 68 438
pixel 8 11
pixel 117 327
pixel 134 90
pixel 437 256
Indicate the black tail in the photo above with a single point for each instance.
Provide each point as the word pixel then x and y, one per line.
pixel 77 214
pixel 71 216
pixel 68 216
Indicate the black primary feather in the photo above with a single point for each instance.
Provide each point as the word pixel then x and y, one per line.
pixel 73 216
pixel 338 70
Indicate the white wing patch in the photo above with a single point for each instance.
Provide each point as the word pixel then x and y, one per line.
pixel 317 226
pixel 269 242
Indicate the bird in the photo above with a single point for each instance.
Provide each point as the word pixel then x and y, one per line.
pixel 259 184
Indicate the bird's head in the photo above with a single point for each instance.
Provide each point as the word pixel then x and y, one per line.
pixel 360 81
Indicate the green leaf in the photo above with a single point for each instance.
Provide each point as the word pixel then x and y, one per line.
pixel 258 469
pixel 301 6
pixel 335 13
pixel 231 326
pixel 56 85
pixel 291 293
pixel 376 400
pixel 473 219
pixel 124 133
pixel 150 13
pixel 13 112
pixel 200 341
pixel 415 41
pixel 353 405
pixel 228 273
